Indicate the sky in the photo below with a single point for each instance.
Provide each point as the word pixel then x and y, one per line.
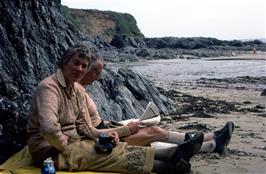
pixel 221 19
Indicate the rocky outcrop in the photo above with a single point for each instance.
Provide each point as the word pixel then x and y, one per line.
pixel 204 43
pixel 34 33
pixel 126 94
pixel 121 30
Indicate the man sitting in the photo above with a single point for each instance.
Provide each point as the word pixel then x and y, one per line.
pixel 213 142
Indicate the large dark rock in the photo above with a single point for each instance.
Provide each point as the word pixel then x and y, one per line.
pixel 121 41
pixel 125 94
pixel 263 93
pixel 34 34
pixel 203 42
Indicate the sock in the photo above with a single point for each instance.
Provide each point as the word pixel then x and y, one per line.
pixel 209 136
pixel 175 137
pixel 208 146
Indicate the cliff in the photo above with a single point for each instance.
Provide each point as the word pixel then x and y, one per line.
pixel 105 24
pixel 121 31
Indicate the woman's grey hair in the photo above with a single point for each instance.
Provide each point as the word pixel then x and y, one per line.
pixel 82 51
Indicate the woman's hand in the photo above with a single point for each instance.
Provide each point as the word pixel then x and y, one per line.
pixel 114 136
pixel 133 126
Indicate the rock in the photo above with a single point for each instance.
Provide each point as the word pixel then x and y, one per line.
pixel 264 148
pixel 247 102
pixel 260 106
pixel 33 36
pixel 143 53
pixel 126 95
pixel 263 93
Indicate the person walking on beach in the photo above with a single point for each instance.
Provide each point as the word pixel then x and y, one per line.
pixel 254 51
pixel 213 142
pixel 59 126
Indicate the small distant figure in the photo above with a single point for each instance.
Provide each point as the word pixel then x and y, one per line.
pixel 254 51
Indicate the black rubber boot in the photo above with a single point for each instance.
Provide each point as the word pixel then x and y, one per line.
pixel 189 148
pixel 223 137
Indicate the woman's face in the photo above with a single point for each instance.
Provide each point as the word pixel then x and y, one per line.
pixel 75 69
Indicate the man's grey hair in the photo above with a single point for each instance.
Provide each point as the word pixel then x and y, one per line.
pixel 94 58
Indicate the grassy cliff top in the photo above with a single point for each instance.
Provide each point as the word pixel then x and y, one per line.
pixel 106 24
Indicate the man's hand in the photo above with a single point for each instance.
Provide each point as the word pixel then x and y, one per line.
pixel 133 126
pixel 114 136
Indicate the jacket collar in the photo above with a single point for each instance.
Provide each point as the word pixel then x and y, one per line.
pixel 60 77
pixel 70 91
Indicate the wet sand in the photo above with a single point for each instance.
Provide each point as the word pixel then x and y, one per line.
pixel 246 152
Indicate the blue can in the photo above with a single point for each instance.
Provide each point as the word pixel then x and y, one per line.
pixel 48 167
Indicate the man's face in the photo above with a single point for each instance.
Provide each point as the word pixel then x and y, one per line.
pixel 94 73
pixel 75 69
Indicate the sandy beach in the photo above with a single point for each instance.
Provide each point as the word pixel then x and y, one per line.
pixel 246 152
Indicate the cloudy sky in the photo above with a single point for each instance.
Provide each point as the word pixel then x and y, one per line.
pixel 222 19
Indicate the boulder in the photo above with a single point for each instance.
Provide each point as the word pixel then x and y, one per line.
pixel 263 93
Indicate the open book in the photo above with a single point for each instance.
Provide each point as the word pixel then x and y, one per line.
pixel 150 117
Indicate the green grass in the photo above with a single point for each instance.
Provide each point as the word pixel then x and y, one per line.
pixel 65 11
pixel 126 24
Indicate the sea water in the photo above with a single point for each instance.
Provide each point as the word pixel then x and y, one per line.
pixel 180 70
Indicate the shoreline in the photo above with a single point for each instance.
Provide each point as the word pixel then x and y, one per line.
pixel 246 56
pixel 234 58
